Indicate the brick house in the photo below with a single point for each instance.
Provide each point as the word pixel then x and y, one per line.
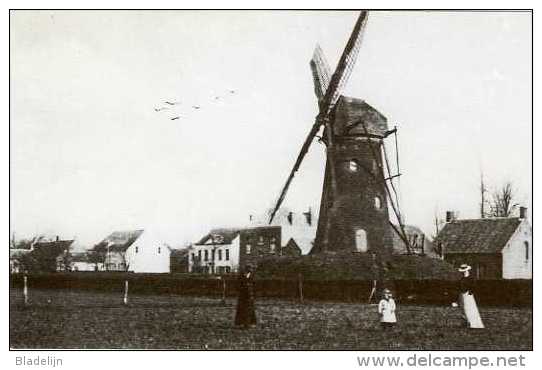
pixel 495 248
pixel 178 260
pixel 297 228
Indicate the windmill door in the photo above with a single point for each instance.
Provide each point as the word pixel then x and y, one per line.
pixel 361 240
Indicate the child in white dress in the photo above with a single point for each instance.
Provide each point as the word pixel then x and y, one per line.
pixel 386 310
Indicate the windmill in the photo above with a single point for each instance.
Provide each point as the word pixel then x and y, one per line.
pixel 356 191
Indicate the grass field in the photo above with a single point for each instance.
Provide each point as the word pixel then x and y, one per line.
pixel 83 319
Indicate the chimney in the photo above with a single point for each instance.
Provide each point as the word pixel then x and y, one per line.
pixel 250 217
pixel 522 213
pixel 290 218
pixel 450 216
pixel 57 238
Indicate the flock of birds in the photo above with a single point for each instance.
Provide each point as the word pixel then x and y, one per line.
pixel 171 106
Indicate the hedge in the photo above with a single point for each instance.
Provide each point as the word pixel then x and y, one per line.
pixel 511 293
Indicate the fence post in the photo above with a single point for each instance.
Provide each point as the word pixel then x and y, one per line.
pixel 223 290
pixel 125 300
pixel 25 290
pixel 300 287
pixel 373 292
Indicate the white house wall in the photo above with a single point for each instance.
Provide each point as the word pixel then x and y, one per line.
pixel 148 254
pixel 514 262
pixel 232 263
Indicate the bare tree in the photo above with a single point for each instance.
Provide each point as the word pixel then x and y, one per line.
pixel 125 261
pixel 502 202
pixel 483 200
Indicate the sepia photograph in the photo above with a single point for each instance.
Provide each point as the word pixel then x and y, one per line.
pixel 270 180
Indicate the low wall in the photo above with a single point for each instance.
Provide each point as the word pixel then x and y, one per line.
pixel 513 293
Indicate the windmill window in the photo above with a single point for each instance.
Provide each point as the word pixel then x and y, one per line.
pixel 260 241
pixel 361 240
pixel 526 251
pixel 248 248
pixel 220 254
pixel 352 166
pixel 137 249
pixel 206 253
pixel 227 254
pixel 273 245
pixel 159 250
pixel 378 202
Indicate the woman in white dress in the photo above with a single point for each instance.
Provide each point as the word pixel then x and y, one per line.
pixel 466 299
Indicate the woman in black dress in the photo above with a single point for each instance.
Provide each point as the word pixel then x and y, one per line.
pixel 246 313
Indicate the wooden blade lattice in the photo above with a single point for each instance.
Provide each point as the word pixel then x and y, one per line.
pixel 338 81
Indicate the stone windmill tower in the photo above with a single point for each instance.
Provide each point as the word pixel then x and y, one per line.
pixel 356 192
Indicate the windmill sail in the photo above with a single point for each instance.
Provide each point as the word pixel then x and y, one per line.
pixel 346 63
pixel 320 72
pixel 338 81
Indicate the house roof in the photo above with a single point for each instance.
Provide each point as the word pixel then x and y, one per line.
pixel 226 236
pixel 221 236
pixel 55 244
pixel 118 241
pixel 486 235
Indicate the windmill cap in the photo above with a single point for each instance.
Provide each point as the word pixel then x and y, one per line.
pixel 464 267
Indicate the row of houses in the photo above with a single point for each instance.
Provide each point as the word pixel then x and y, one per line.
pixel 496 248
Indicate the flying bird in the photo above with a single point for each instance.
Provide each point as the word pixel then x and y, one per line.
pixel 160 109
pixel 232 91
pixel 174 118
pixel 172 103
pixel 196 107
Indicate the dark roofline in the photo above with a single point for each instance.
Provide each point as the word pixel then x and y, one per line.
pixel 483 219
pixel 478 236
pixel 135 234
pixel 234 232
pixel 53 242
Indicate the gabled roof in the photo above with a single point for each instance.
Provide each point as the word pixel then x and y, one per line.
pixel 226 236
pixel 220 236
pixel 486 235
pixel 118 241
pixel 56 244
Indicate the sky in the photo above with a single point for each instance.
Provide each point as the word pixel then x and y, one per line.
pixel 89 154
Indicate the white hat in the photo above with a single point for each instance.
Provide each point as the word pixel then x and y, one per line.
pixel 464 267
